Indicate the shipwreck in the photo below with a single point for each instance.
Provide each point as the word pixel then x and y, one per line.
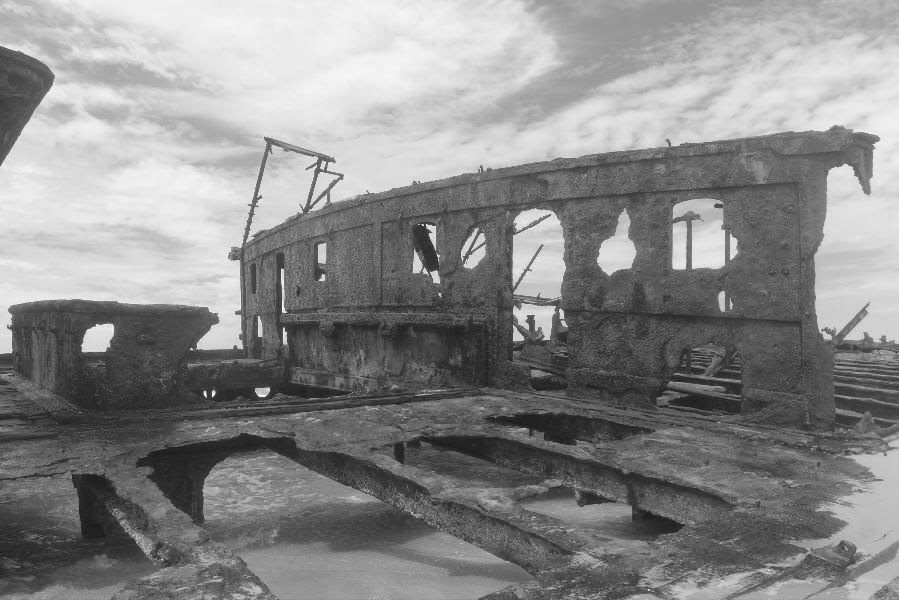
pixel 703 398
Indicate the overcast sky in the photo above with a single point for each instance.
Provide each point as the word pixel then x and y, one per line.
pixel 132 179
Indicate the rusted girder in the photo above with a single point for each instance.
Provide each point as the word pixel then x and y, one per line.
pixel 505 531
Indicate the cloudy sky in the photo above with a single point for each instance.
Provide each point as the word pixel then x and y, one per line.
pixel 131 181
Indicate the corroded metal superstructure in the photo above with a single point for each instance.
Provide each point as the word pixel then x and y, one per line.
pixel 364 320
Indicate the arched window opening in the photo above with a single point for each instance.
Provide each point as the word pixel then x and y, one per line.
pixel 699 239
pixel 474 248
pixel 425 258
pixel 618 252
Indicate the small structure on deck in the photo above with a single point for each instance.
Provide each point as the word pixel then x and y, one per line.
pixel 144 367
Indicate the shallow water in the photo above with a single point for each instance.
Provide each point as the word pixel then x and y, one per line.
pixel 42 555
pixel 610 519
pixel 306 536
pixel 871 523
pixel 309 537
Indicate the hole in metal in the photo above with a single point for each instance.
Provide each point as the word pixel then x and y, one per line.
pixel 565 428
pixel 618 252
pixel 697 240
pixel 98 338
pixel 615 520
pixel 425 258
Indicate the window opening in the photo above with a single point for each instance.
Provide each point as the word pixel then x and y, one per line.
pixel 618 252
pixel 725 302
pixel 836 287
pixel 537 268
pixel 279 294
pixel 98 338
pixel 474 248
pixel 253 278
pixel 320 261
pixel 256 338
pixel 696 235
pixel 425 257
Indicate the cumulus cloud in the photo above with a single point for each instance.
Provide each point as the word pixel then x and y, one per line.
pixel 134 175
pixel 132 180
pixel 749 70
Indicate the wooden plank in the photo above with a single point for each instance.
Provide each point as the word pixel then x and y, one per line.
pixel 732 385
pixel 49 402
pixel 877 409
pixel 862 391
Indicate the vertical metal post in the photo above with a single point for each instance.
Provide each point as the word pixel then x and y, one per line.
pixel 318 167
pixel 243 247
pixel 689 244
pixel 726 262
pixel 726 244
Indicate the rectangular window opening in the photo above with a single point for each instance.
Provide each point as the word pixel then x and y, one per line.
pixel 425 258
pixel 279 293
pixel 256 335
pixel 320 261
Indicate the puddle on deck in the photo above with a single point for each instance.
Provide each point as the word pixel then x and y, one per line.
pixel 307 536
pixel 609 519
